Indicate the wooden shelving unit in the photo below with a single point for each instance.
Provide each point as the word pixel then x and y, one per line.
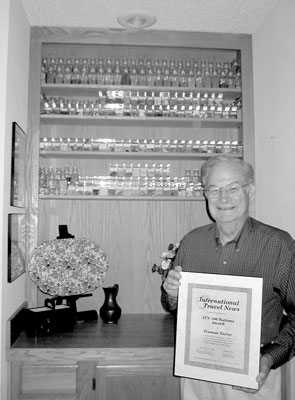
pixel 134 230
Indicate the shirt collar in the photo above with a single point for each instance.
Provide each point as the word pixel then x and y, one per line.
pixel 247 228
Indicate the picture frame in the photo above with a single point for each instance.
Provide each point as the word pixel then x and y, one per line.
pixel 18 166
pixel 16 246
pixel 218 328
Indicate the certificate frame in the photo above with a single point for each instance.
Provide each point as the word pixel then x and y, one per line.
pixel 218 328
pixel 16 247
pixel 18 166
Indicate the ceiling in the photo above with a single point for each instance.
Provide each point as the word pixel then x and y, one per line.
pixel 222 16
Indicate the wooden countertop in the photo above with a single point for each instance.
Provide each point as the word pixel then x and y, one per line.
pixel 145 336
pixel 132 330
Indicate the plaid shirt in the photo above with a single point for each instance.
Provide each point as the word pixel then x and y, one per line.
pixel 261 251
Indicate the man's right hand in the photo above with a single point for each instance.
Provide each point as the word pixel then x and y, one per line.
pixel 172 282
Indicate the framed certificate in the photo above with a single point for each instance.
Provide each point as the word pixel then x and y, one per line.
pixel 218 328
pixel 18 166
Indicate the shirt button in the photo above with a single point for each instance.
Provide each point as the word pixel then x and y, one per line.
pixel 224 262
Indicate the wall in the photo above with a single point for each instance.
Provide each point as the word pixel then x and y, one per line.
pixel 274 87
pixel 4 7
pixel 14 70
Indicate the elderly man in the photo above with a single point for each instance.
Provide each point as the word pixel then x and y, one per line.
pixel 236 244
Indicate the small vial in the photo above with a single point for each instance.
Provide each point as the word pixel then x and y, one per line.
pixel 62 185
pixel 75 175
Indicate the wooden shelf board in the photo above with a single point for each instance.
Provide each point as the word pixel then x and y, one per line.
pixel 57 119
pixel 132 155
pixel 122 198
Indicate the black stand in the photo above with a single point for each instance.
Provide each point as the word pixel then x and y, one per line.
pixel 63 232
pixel 71 300
pixel 90 315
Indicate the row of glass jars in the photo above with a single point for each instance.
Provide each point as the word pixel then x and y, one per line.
pixel 137 187
pixel 92 109
pixel 71 175
pixel 150 170
pixel 190 73
pixel 117 98
pixel 133 186
pixel 56 181
pixel 141 145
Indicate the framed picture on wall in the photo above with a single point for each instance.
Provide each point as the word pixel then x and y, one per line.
pixel 18 166
pixel 16 246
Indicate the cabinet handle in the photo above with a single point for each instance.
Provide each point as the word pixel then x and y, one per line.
pixel 93 384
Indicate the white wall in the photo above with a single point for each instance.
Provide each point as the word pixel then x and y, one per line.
pixel 274 104
pixel 14 72
pixel 4 6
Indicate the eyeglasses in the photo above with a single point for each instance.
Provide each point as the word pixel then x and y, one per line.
pixel 232 190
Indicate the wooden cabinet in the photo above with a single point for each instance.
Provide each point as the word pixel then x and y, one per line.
pixel 98 361
pixel 90 380
pixel 135 230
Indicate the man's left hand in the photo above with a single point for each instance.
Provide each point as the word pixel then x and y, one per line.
pixel 265 367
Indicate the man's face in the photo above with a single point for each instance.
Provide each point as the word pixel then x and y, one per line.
pixel 227 208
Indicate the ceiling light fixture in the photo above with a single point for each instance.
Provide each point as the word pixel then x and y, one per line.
pixel 136 20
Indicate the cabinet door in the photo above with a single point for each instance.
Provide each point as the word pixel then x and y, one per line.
pixel 43 382
pixel 136 381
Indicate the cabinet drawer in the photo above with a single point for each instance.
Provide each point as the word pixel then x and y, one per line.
pixel 48 382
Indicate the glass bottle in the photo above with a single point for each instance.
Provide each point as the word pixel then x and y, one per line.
pixel 215 79
pixel 203 66
pixel 62 185
pixel 187 176
pixel 150 80
pixel 166 77
pixel 223 81
pixel 51 73
pixel 68 71
pixel 92 75
pixel 207 78
pixel 183 78
pixel 125 80
pixel 100 75
pixel 60 70
pixel 235 65
pixel 117 77
pixel 238 81
pixel 142 77
pixel 133 77
pixel 231 80
pixel 191 78
pixel 158 77
pixel 84 72
pixel 52 183
pixel 44 68
pixel 108 77
pixel 174 78
pixel 74 175
pixel 211 67
pixel 76 74
pixel 164 66
pixel 63 145
pixel 199 78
